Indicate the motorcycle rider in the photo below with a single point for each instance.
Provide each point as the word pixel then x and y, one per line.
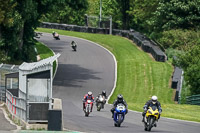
pixel 88 96
pixel 73 43
pixel 103 93
pixel 55 34
pixel 118 101
pixel 153 102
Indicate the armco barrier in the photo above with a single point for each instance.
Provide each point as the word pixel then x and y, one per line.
pixel 194 100
pixel 141 40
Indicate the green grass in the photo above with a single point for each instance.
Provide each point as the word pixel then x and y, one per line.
pixel 139 76
pixel 45 52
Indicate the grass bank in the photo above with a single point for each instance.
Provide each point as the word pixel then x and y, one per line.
pixel 44 52
pixel 139 76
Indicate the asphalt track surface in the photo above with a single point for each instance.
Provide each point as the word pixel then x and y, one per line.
pixel 93 68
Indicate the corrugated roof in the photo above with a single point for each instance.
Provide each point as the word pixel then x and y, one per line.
pixel 35 65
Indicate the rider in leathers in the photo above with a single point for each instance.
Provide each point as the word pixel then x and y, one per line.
pixel 116 102
pixel 88 96
pixel 154 101
pixel 102 94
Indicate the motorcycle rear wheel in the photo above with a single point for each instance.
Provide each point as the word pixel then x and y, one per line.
pixel 86 114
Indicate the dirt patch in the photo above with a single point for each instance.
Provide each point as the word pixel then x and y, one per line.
pixel 173 95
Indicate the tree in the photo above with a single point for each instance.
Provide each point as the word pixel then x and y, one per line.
pixel 124 6
pixel 191 65
pixel 6 10
pixel 141 11
pixel 176 14
pixel 118 9
pixel 69 12
pixel 109 8
pixel 18 34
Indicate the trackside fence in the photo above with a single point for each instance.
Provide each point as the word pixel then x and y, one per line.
pixel 15 105
pixel 194 100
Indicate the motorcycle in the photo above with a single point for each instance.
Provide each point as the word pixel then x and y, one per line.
pixel 119 115
pixel 56 36
pixel 100 102
pixel 74 47
pixel 88 105
pixel 151 118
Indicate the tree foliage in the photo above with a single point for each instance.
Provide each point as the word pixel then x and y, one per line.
pixel 190 62
pixel 115 8
pixel 142 11
pixel 176 14
pixel 179 39
pixel 69 12
pixel 19 18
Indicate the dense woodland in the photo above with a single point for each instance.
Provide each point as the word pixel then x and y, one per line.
pixel 173 24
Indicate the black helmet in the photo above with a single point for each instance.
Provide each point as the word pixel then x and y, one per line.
pixel 119 98
pixel 103 93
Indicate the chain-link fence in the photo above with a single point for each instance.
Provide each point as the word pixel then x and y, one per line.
pixel 12 83
pixel 99 22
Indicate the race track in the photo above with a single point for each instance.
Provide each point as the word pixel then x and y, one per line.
pixel 93 68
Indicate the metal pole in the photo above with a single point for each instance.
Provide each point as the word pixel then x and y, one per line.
pixel 27 100
pixel 11 83
pixel 181 84
pixel 51 86
pixel 100 13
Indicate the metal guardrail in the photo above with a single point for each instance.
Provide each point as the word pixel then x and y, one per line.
pixel 194 100
pixel 2 93
pixel 16 106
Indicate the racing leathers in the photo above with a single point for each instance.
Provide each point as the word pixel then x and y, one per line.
pixel 150 104
pixel 87 97
pixel 115 103
pixel 97 99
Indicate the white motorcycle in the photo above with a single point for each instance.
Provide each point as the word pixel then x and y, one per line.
pixel 101 100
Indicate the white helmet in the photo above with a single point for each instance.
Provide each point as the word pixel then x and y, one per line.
pixel 154 99
pixel 89 93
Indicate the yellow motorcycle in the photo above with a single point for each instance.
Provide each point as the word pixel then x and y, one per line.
pixel 151 118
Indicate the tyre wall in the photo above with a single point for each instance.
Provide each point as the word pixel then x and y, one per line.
pixel 141 40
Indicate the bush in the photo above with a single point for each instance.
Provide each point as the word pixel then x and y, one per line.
pixel 179 39
pixel 170 52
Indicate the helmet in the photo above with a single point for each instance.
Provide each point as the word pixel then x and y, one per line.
pixel 89 93
pixel 119 98
pixel 154 99
pixel 103 92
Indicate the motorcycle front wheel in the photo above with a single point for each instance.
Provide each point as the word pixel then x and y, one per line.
pixel 119 120
pixel 150 123
pixel 99 107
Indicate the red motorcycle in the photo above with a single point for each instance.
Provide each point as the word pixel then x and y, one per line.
pixel 88 107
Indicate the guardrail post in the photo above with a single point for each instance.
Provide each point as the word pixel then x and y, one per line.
pixel 27 101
